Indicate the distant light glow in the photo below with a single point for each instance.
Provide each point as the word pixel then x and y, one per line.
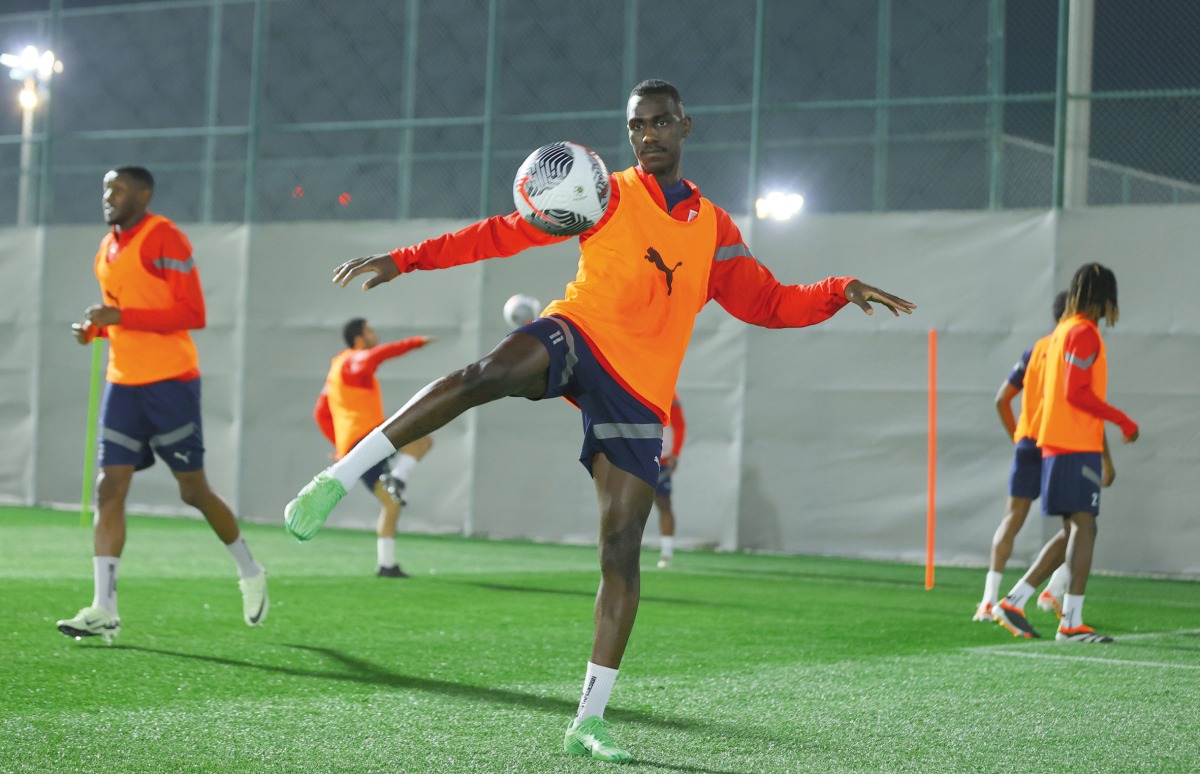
pixel 28 97
pixel 779 205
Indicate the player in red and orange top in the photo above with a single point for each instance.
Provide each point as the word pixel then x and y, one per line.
pixel 673 435
pixel 1071 435
pixel 613 345
pixel 350 406
pixel 152 298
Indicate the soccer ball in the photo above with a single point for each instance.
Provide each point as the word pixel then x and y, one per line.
pixel 521 309
pixel 562 189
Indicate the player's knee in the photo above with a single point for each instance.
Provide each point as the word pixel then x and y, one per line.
pixel 193 494
pixel 487 379
pixel 620 552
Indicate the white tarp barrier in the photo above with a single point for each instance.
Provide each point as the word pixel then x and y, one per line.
pixel 800 441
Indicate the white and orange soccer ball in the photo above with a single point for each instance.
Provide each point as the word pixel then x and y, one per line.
pixel 562 189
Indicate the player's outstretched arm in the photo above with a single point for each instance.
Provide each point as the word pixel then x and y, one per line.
pixel 382 266
pixel 862 294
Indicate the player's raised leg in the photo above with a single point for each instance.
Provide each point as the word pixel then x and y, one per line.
pixel 516 367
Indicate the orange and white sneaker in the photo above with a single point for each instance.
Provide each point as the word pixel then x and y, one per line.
pixel 1050 603
pixel 1081 633
pixel 984 613
pixel 1013 619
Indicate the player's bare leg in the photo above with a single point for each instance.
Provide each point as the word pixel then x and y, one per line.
pixel 252 578
pixel 1079 558
pixel 112 486
pixel 385 533
pixel 625 501
pixel 666 528
pixel 1015 512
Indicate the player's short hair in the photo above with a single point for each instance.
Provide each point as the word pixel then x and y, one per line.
pixel 1060 305
pixel 1094 290
pixel 353 329
pixel 140 175
pixel 656 86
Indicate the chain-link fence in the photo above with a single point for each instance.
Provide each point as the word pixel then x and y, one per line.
pixel 279 110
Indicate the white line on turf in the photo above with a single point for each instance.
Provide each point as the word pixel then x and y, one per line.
pixel 1041 650
pixel 1064 657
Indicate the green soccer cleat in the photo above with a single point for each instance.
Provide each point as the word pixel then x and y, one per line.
pixel 305 515
pixel 590 737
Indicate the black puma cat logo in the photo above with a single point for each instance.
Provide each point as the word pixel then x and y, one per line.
pixel 653 257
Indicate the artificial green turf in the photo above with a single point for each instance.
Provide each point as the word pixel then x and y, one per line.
pixel 738 663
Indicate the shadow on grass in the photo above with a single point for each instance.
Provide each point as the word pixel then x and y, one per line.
pixel 589 594
pixel 357 670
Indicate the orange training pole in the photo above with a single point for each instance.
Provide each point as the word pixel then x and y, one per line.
pixel 931 509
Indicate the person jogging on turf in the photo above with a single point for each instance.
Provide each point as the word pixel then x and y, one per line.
pixel 350 406
pixel 1071 436
pixel 673 434
pixel 152 298
pixel 613 345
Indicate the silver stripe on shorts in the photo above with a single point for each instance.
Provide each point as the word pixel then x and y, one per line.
pixel 120 439
pixel 174 436
pixel 627 430
pixel 1091 475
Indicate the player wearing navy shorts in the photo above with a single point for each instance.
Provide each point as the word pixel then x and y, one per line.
pixel 613 345
pixel 1025 476
pixel 1071 435
pixel 151 406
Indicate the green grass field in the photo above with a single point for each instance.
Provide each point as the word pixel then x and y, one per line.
pixel 738 663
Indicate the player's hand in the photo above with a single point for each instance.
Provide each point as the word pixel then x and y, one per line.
pixel 862 294
pixel 671 463
pixel 382 266
pixel 428 340
pixel 84 332
pixel 1132 436
pixel 1108 473
pixel 101 315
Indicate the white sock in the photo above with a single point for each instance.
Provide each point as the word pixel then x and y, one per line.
pixel 1072 611
pixel 597 685
pixel 104 572
pixel 385 550
pixel 1059 581
pixel 991 587
pixel 1020 594
pixel 362 457
pixel 247 567
pixel 668 546
pixel 403 465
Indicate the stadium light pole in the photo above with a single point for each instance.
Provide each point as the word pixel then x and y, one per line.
pixel 34 69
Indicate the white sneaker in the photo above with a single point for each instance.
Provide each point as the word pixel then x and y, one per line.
pixel 255 602
pixel 664 563
pixel 92 622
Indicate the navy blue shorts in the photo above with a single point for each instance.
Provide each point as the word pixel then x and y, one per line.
pixel 1025 478
pixel 163 417
pixel 615 423
pixel 1071 484
pixel 663 487
pixel 371 477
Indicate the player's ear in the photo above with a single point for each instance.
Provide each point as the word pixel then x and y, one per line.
pixel 687 126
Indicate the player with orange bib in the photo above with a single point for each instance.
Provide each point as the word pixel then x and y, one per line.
pixel 350 406
pixel 1071 436
pixel 152 298
pixel 612 345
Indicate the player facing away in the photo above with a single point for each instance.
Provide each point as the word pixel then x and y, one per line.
pixel 1025 477
pixel 1071 436
pixel 152 298
pixel 673 435
pixel 612 345
pixel 350 406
